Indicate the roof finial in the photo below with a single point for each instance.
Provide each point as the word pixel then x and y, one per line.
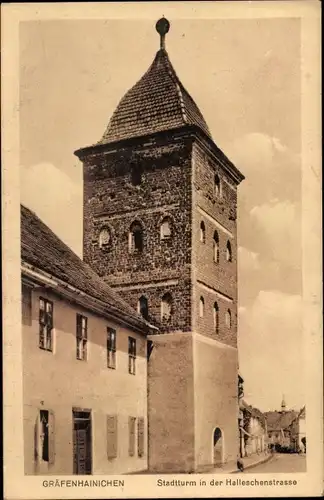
pixel 283 403
pixel 162 27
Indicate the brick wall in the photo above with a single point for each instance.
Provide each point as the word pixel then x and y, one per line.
pixel 216 282
pixel 111 201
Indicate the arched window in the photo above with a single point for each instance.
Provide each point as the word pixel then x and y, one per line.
pixel 136 175
pixel 216 317
pixel 202 232
pixel 104 238
pixel 216 247
pixel 142 307
pixel 165 228
pixel 228 252
pixel 166 307
pixel 201 307
pixel 135 242
pixel 217 186
pixel 228 318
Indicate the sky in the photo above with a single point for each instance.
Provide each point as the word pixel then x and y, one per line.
pixel 245 77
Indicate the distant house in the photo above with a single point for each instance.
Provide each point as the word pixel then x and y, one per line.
pixel 84 364
pixel 298 430
pixel 253 430
pixel 286 428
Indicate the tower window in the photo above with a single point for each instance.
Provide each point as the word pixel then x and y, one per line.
pixel 202 232
pixel 217 186
pixel 216 247
pixel 104 238
pixel 228 252
pixel 136 238
pixel 142 307
pixel 216 317
pixel 228 318
pixel 166 307
pixel 201 307
pixel 136 175
pixel 165 229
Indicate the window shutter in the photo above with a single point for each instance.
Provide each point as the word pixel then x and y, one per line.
pixel 51 437
pixel 131 431
pixel 140 431
pixel 36 438
pixel 112 440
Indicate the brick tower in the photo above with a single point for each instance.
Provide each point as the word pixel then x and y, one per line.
pixel 160 204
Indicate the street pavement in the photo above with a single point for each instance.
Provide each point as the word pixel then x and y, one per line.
pixel 280 462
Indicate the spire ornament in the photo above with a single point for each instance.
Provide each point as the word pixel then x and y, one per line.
pixel 162 27
pixel 283 403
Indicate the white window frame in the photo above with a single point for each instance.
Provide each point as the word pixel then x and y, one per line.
pixel 82 339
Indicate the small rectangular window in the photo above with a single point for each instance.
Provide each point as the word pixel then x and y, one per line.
pixel 111 348
pixel 131 431
pixel 45 324
pixel 81 337
pixel 131 355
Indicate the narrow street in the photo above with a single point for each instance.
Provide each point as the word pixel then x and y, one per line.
pixel 281 462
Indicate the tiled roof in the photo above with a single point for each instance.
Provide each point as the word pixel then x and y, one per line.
pixel 255 412
pixel 280 420
pixel 41 248
pixel 157 102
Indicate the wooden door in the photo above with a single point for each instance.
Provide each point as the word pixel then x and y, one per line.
pixel 82 443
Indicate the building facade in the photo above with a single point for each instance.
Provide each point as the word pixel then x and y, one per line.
pixel 253 430
pixel 287 429
pixel 160 212
pixel 84 365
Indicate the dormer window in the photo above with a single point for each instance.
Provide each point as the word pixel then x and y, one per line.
pixel 136 237
pixel 104 238
pixel 165 229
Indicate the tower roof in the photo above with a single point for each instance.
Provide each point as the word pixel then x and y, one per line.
pixel 157 102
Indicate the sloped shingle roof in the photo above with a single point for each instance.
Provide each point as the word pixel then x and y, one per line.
pixel 255 412
pixel 41 248
pixel 157 102
pixel 280 420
